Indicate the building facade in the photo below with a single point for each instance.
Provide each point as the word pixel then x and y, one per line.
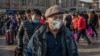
pixel 40 4
pixel 85 4
pixel 96 4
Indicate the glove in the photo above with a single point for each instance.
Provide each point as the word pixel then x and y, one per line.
pixel 18 51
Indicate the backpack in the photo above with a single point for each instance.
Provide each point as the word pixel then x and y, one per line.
pixel 14 23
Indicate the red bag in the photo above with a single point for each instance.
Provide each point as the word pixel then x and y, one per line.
pixel 9 37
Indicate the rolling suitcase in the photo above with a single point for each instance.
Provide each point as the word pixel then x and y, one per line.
pixel 9 37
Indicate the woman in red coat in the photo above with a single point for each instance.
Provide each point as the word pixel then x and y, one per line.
pixel 82 28
pixel 75 22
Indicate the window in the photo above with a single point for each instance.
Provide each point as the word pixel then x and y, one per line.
pixel 72 9
pixel 36 2
pixel 23 2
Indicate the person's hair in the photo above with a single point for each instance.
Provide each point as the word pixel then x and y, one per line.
pixel 44 17
pixel 22 12
pixel 92 14
pixel 28 11
pixel 66 12
pixel 36 11
pixel 80 14
pixel 74 14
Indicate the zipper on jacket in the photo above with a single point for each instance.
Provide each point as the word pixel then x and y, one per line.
pixel 55 40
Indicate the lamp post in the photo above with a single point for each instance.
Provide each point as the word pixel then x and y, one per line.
pixel 19 4
pixel 83 6
pixel 95 6
pixel 30 5
pixel 99 4
pixel 77 3
pixel 60 2
pixel 9 4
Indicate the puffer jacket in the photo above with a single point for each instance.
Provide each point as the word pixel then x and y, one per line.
pixel 81 23
pixel 25 32
pixel 75 22
pixel 37 46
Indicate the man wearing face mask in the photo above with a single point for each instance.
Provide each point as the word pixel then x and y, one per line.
pixel 28 27
pixel 52 38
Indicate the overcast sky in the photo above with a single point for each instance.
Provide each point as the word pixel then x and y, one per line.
pixel 87 0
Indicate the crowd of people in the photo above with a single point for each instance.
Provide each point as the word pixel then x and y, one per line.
pixel 55 33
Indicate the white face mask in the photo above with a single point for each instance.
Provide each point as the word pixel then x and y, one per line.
pixel 57 24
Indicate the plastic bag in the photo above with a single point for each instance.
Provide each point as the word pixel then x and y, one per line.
pixel 75 36
pixel 90 31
